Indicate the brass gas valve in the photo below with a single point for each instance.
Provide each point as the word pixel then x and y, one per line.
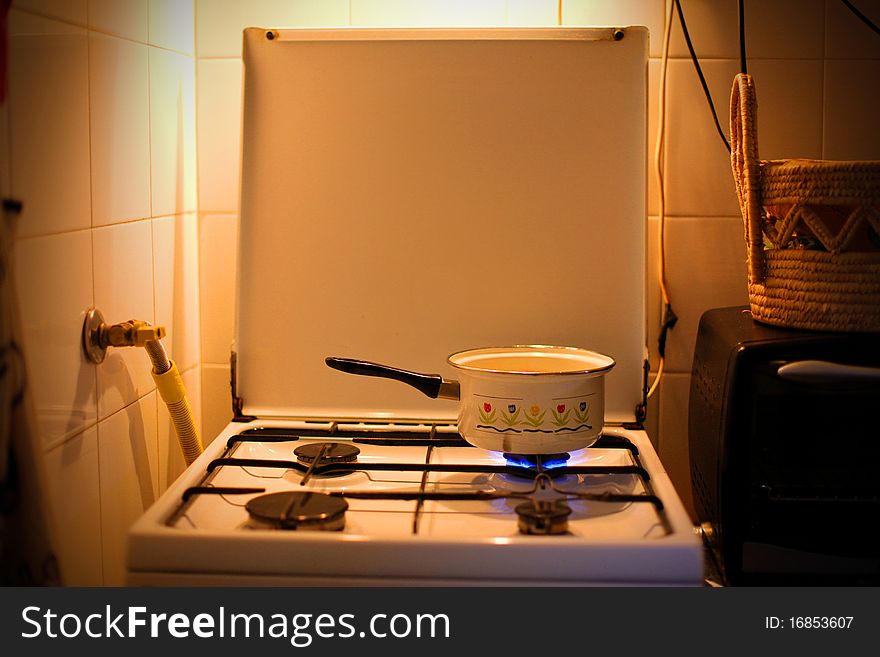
pixel 98 336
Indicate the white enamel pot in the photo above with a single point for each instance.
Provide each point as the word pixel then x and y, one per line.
pixel 527 399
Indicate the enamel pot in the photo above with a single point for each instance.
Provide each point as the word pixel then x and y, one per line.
pixel 531 399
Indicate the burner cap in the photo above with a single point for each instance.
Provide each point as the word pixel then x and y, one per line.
pixel 543 517
pixel 299 510
pixel 334 453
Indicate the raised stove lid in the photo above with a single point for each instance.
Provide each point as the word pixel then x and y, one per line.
pixel 409 193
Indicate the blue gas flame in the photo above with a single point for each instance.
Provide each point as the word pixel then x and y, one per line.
pixel 529 462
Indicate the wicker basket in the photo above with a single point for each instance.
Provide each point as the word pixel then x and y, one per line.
pixel 812 230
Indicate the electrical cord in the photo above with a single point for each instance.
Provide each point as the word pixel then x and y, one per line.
pixel 696 61
pixel 867 21
pixel 669 318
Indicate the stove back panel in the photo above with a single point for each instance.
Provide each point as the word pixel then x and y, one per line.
pixel 410 193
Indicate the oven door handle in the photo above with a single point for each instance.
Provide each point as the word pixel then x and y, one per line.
pixel 823 372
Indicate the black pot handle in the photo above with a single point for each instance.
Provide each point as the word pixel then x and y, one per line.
pixel 431 385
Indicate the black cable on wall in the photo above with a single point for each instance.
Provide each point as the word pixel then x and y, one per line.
pixel 867 21
pixel 699 69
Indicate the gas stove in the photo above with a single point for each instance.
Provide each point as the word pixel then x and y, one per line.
pixel 311 503
pixel 432 190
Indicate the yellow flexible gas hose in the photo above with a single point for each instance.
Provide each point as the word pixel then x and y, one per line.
pixel 98 336
pixel 173 393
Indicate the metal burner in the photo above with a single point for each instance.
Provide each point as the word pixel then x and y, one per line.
pixel 298 510
pixel 543 517
pixel 329 453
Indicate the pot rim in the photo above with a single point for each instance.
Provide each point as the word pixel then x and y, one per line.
pixel 579 372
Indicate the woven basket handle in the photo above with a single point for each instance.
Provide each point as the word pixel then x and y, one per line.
pixel 746 168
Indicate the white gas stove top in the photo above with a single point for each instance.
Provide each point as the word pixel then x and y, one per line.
pixel 430 191
pixel 416 507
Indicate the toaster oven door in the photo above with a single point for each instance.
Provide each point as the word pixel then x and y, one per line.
pixel 784 450
pixel 806 466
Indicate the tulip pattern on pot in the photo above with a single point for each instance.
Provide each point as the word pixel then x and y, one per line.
pixel 487 413
pixel 560 415
pixel 535 416
pixel 582 412
pixel 511 417
pixel 570 415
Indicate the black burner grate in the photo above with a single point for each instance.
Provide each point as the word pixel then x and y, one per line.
pixel 534 518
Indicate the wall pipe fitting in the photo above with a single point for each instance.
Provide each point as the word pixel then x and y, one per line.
pixel 98 336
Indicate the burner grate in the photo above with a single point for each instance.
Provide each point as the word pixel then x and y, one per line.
pixel 532 517
pixel 417 436
pixel 514 470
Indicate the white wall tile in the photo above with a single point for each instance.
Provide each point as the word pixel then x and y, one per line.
pixel 846 36
pixel 176 288
pixel 673 452
pixel 653 304
pixel 172 25
pixel 789 108
pixel 773 28
pixel 127 19
pixel 216 401
pixel 172 132
pixel 73 11
pixel 219 134
pixel 706 268
pixel 620 12
pixel 852 105
pixel 123 256
pixel 217 246
pixel 128 460
pixel 653 116
pixel 422 13
pixel 652 419
pixel 532 12
pixel 49 149
pixel 220 22
pixel 783 29
pixel 120 129
pixel 72 473
pixel 171 462
pixel 712 26
pixel 699 181
pixel 192 380
pixel 54 287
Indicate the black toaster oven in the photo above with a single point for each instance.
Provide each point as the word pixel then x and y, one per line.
pixel 784 442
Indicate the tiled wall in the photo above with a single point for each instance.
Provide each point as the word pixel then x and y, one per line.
pixel 816 69
pixel 99 145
